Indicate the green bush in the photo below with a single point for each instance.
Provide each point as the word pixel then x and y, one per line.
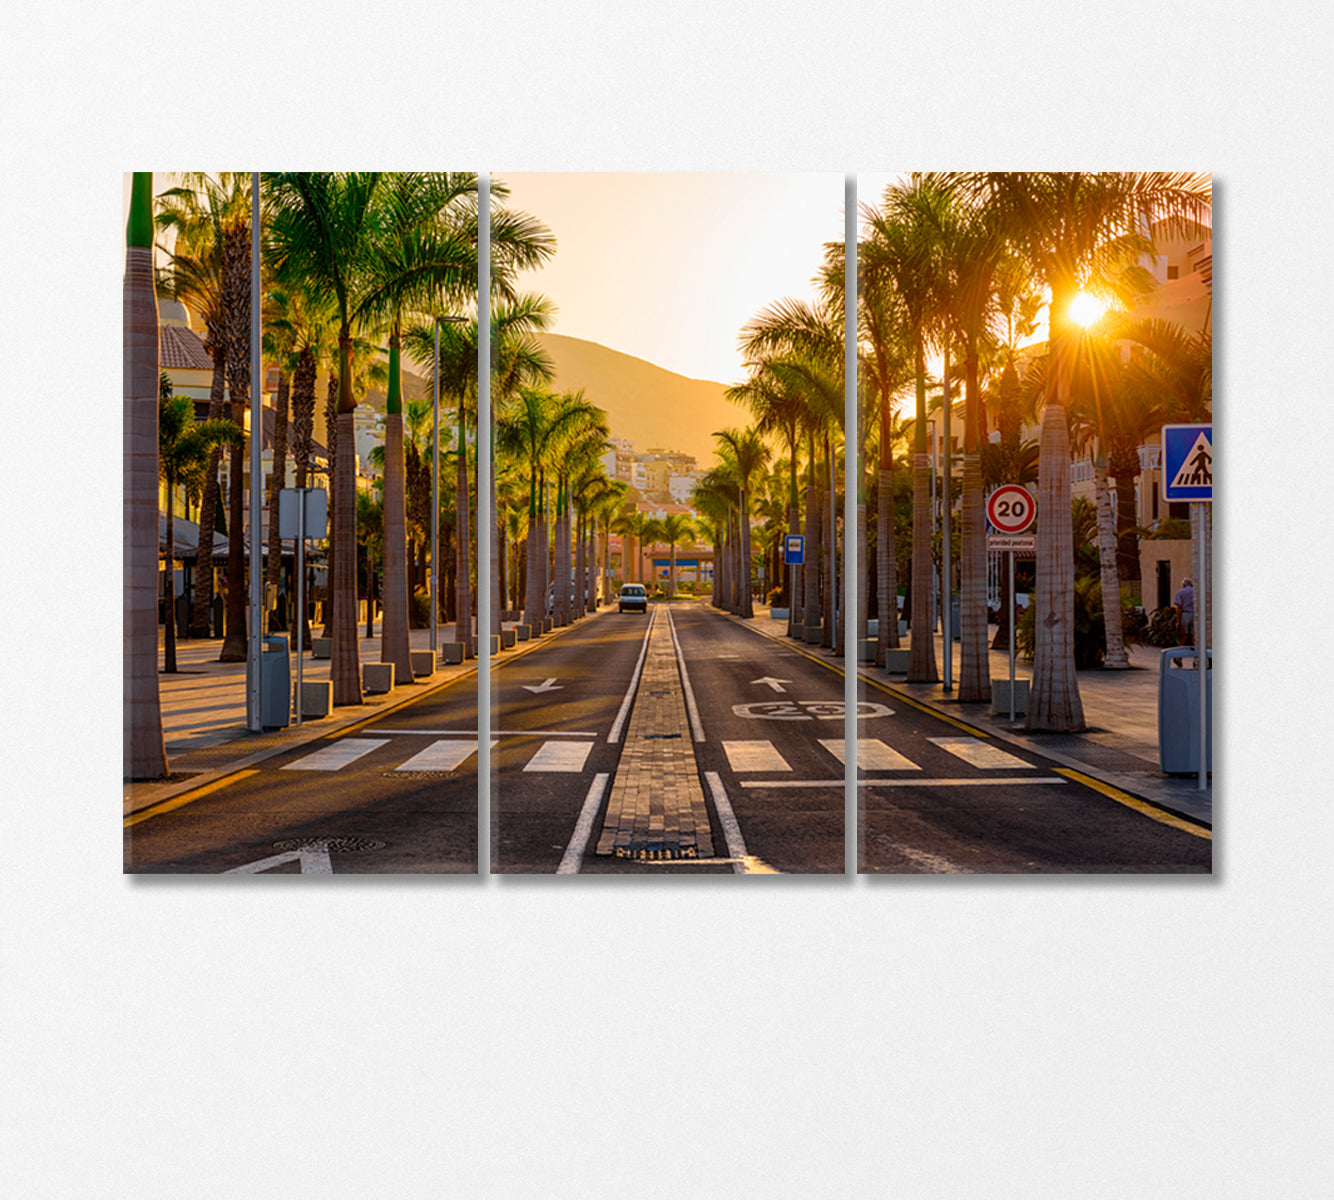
pixel 775 597
pixel 1090 634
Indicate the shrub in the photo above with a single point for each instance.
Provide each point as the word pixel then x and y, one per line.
pixel 1090 634
pixel 775 597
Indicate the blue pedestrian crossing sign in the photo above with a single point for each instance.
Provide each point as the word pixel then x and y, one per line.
pixel 1188 463
pixel 794 550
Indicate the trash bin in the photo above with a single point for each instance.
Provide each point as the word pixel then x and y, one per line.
pixel 275 686
pixel 1179 712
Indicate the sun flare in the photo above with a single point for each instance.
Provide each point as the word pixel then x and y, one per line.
pixel 1085 309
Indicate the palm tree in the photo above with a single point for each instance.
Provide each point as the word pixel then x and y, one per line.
pixel 422 260
pixel 1069 225
pixel 145 751
pixel 630 526
pixel 184 448
pixel 323 226
pixel 750 455
pixel 198 212
pixel 902 251
pixel 670 530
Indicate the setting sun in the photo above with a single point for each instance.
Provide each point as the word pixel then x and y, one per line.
pixel 1085 309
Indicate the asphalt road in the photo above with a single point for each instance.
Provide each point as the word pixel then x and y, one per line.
pixel 399 794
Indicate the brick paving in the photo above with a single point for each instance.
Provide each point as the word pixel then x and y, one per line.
pixel 657 808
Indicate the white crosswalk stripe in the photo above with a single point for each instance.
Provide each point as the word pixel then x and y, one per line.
pixel 442 756
pixel 980 754
pixel 337 756
pixel 754 756
pixel 872 755
pixel 560 756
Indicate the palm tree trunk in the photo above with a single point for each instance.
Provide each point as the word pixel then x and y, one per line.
pixel 1053 703
pixel 236 305
pixel 145 752
pixel 1116 659
pixel 811 567
pixel 200 616
pixel 345 656
pixel 395 638
pixel 463 537
pixel 331 560
pixel 277 480
pixel 829 636
pixel 974 661
pixel 169 633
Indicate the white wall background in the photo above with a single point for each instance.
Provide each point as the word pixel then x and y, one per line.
pixel 907 1037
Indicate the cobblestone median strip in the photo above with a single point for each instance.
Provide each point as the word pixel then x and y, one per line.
pixel 656 810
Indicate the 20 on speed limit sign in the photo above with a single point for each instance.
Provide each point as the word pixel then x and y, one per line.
pixel 1011 508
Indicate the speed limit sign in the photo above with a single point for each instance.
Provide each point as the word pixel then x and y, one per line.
pixel 1011 508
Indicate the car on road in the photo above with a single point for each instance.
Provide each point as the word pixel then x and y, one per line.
pixel 634 597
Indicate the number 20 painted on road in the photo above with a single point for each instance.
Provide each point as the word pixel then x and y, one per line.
pixel 1011 508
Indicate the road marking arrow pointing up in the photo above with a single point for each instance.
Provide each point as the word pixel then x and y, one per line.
pixel 776 684
pixel 549 686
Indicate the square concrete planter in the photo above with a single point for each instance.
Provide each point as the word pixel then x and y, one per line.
pixel 507 638
pixel 896 661
pixel 423 664
pixel 798 631
pixel 1000 696
pixel 321 647
pixel 546 624
pixel 316 699
pixel 811 634
pixel 866 651
pixel 778 614
pixel 522 633
pixel 451 653
pixel 377 678
pixel 494 639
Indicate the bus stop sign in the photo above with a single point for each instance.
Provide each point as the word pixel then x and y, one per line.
pixel 794 550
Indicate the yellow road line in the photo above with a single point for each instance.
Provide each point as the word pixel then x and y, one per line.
pixel 184 798
pixel 1140 806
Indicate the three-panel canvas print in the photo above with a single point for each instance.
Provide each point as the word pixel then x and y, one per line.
pixel 793 524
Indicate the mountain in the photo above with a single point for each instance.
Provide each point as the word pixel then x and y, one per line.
pixel 648 404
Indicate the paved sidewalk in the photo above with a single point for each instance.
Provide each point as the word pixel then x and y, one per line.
pixel 204 711
pixel 1119 746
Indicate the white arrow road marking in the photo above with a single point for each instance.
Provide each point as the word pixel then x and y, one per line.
pixel 314 861
pixel 776 684
pixel 549 686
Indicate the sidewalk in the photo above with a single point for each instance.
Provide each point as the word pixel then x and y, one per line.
pixel 1118 747
pixel 204 710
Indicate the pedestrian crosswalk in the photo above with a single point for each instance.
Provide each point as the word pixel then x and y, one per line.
pixel 872 755
pixel 570 755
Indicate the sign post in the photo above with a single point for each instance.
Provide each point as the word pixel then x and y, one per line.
pixel 794 554
pixel 1188 474
pixel 1011 510
pixel 302 512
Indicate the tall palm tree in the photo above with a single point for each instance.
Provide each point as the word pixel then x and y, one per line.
pixel 630 526
pixel 751 456
pixel 323 226
pixel 198 212
pixel 902 251
pixel 421 261
pixel 1068 225
pixel 145 751
pixel 671 530
pixel 184 447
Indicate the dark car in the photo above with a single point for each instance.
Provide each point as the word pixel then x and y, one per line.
pixel 634 597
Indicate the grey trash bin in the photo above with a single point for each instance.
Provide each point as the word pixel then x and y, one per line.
pixel 275 686
pixel 1179 712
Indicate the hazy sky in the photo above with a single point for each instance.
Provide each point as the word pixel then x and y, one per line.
pixel 668 267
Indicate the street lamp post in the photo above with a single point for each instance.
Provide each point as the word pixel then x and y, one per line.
pixel 435 478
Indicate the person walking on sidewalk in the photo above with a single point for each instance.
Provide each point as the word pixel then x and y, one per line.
pixel 1184 603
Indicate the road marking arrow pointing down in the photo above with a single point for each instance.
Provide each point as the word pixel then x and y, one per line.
pixel 776 684
pixel 549 686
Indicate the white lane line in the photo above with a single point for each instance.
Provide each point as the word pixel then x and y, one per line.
pixel 442 756
pixel 981 754
pixel 559 756
pixel 573 858
pixel 314 860
pixel 495 733
pixel 736 844
pixel 872 755
pixel 754 756
pixel 337 756
pixel 932 863
pixel 615 735
pixel 1000 781
pixel 695 726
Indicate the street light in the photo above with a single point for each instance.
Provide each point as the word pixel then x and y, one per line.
pixel 435 475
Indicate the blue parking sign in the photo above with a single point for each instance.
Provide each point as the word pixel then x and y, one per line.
pixel 1188 463
pixel 794 550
